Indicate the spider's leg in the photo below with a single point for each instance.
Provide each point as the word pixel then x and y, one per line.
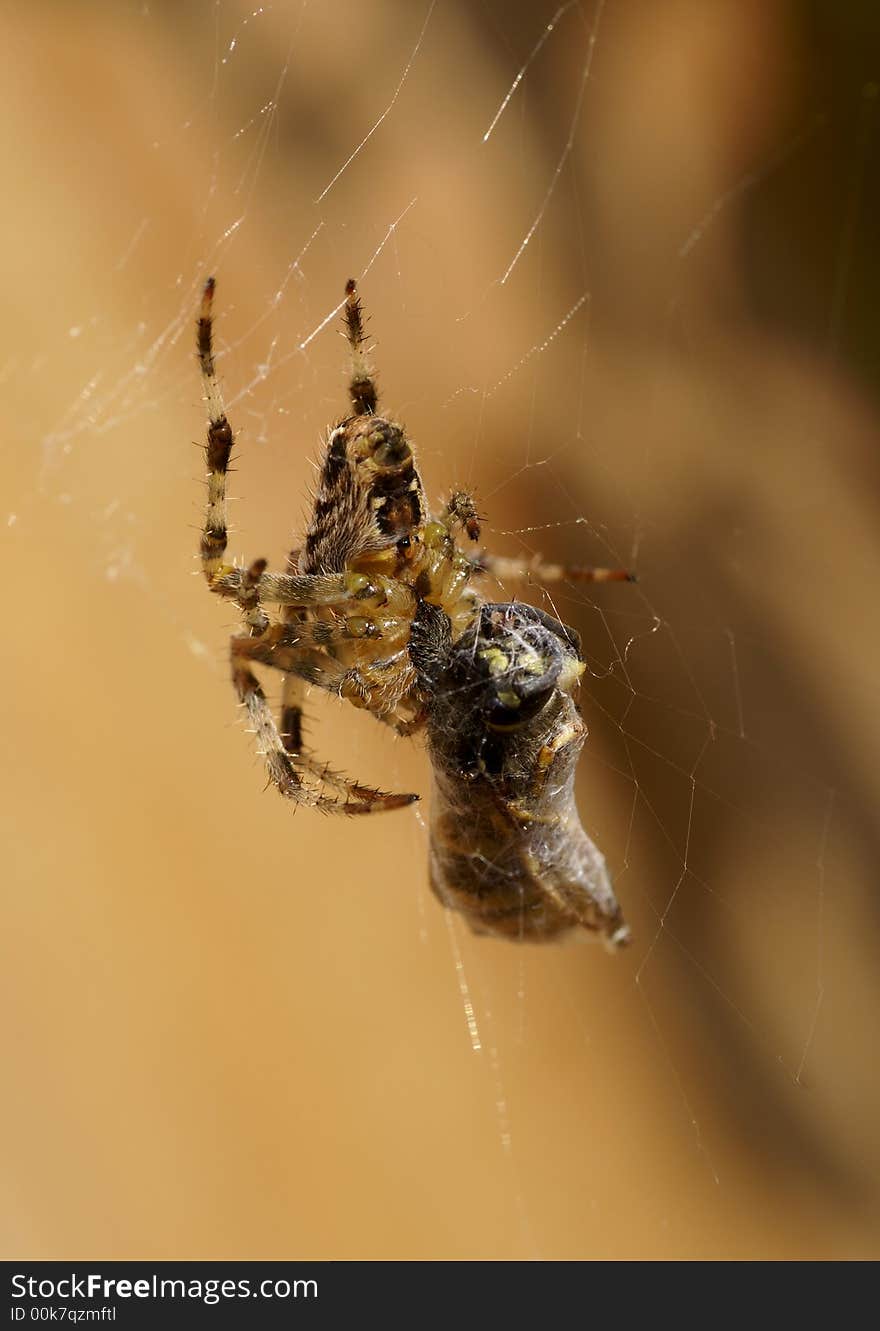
pixel 218 447
pixel 301 632
pixel 377 685
pixel 291 719
pixel 534 569
pixel 353 790
pixel 362 386
pixel 391 630
pixel 291 733
pixel 310 590
pixel 235 583
pixel 288 771
pixel 292 688
pixel 292 647
pixel 368 685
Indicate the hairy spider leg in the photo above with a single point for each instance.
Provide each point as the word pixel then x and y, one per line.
pixel 292 688
pixel 287 770
pixel 288 776
pixel 377 685
pixel 218 447
pixel 362 387
pixel 535 568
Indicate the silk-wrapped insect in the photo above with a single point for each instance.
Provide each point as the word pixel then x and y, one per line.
pixel 507 846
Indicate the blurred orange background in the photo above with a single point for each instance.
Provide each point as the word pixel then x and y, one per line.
pixel 235 1031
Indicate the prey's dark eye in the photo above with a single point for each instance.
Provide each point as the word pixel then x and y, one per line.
pixel 520 699
pixel 511 662
pixel 523 678
pixel 524 652
pixel 403 544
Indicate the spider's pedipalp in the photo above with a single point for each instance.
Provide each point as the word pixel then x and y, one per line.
pixel 461 508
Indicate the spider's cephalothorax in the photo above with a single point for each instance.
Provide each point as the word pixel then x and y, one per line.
pixel 373 564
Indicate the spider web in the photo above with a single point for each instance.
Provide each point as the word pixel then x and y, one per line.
pixel 604 298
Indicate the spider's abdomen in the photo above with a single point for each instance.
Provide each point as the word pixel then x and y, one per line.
pixel 370 494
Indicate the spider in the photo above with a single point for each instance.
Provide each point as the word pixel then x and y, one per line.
pixel 372 557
